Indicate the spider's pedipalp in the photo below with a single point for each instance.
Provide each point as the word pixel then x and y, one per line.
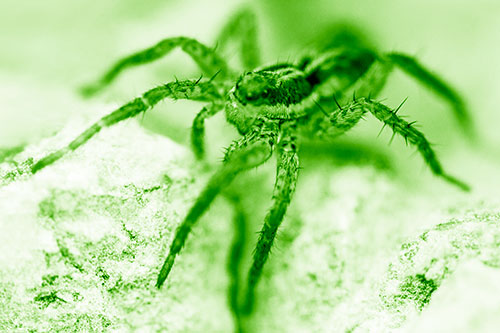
pixel 286 178
pixel 243 28
pixel 198 128
pixel 189 89
pixel 249 152
pixel 205 57
pixel 411 135
pixel 433 82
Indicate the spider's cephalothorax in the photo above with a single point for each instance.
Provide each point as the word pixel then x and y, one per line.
pixel 290 91
pixel 272 107
pixel 271 93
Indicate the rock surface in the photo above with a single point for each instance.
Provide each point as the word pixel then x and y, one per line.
pixel 361 249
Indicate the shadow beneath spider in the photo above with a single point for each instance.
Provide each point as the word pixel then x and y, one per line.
pixel 341 153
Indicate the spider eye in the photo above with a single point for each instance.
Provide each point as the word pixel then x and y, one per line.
pixel 252 87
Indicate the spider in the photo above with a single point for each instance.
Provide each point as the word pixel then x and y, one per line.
pixel 320 96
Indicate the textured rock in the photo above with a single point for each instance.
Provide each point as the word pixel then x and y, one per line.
pixel 83 239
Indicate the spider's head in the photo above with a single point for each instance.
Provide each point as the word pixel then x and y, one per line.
pixel 252 92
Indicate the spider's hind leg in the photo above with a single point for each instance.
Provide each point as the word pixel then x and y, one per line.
pixel 433 82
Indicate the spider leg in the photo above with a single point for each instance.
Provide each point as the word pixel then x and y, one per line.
pixel 243 28
pixel 189 89
pixel 410 134
pixel 198 128
pixel 286 178
pixel 372 82
pixel 236 255
pixel 251 151
pixel 319 124
pixel 206 58
pixel 369 83
pixel 433 82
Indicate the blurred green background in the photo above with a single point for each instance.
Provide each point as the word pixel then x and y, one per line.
pixel 59 45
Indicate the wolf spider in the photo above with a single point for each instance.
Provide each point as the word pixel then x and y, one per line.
pixel 272 107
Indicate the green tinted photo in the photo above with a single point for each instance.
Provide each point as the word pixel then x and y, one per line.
pixel 253 166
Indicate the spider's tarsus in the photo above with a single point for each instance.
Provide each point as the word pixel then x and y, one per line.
pixel 452 180
pixel 165 270
pixel 90 90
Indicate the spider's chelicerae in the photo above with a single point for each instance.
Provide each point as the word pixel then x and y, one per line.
pixel 272 107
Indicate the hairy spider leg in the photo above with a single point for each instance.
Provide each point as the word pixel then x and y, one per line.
pixel 433 82
pixel 251 151
pixel 319 124
pixel 235 256
pixel 198 128
pixel 206 58
pixel 410 134
pixel 189 89
pixel 286 178
pixel 242 27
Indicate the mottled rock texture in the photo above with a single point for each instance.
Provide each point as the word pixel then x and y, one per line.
pixel 83 239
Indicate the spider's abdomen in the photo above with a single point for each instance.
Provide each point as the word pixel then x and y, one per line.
pixel 276 92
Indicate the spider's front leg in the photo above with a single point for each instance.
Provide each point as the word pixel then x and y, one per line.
pixel 189 89
pixel 251 151
pixel 206 58
pixel 286 179
pixel 198 128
